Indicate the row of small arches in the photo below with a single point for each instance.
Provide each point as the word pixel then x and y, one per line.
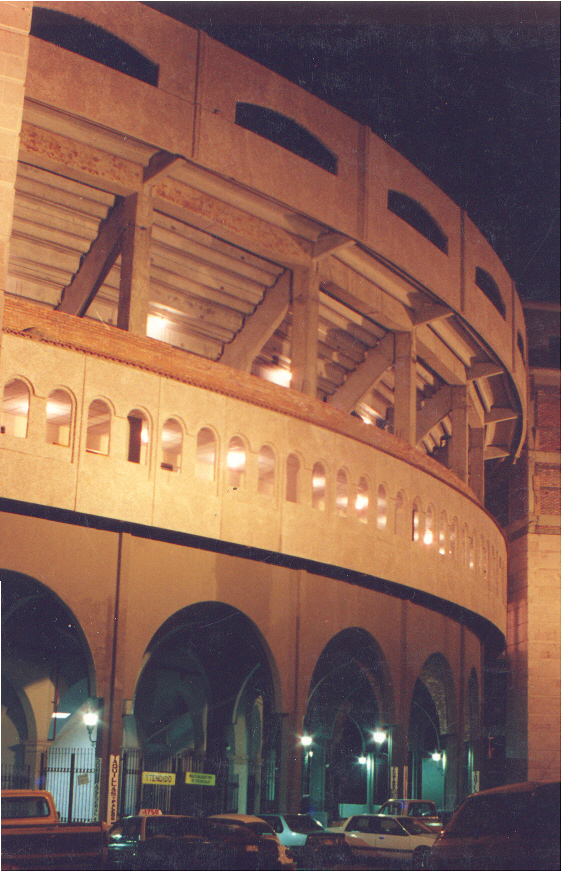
pixel 427 528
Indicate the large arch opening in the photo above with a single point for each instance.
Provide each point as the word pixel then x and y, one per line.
pixel 432 731
pixel 205 703
pixel 348 719
pixel 47 683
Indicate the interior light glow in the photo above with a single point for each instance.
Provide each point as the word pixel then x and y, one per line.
pixel 236 459
pixel 361 502
pixel 279 376
pixel 428 537
pixel 59 715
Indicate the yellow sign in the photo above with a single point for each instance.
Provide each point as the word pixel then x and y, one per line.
pixel 200 779
pixel 159 778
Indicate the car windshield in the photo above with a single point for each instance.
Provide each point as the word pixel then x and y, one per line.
pixel 303 824
pixel 413 826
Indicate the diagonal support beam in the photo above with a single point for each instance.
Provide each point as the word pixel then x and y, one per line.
pixel 433 411
pixel 330 244
pixel 365 376
pixel 260 326
pixel 90 276
pixel 159 166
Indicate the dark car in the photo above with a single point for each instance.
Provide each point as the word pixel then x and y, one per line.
pixel 188 843
pixel 509 828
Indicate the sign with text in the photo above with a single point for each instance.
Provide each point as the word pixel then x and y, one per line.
pixel 200 779
pixel 158 778
pixel 113 789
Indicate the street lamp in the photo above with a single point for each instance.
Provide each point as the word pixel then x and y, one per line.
pixel 91 718
pixel 379 736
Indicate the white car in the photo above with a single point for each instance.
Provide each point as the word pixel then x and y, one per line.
pixel 419 808
pixel 263 829
pixel 400 839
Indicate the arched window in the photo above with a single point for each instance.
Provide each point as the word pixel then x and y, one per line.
pixel 416 522
pixel 399 513
pixel 59 417
pixel 381 508
pixel 362 500
pixel 341 493
pixel 472 552
pixel 429 533
pixel 488 285
pixel 172 444
pixel 414 214
pixel 292 485
pixel 318 486
pixel 15 408
pixel 236 463
pixel 98 428
pixel 442 533
pixel 91 41
pixel 266 471
pixel 138 437
pixel 285 132
pixel 205 455
pixel 453 539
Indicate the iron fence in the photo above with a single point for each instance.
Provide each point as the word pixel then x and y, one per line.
pixel 70 776
pixel 16 777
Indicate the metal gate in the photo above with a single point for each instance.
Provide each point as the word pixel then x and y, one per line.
pixel 70 775
pixel 186 784
pixel 15 777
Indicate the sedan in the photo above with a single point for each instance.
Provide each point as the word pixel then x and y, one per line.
pixel 401 840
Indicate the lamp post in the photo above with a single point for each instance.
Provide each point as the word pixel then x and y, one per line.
pixel 91 719
pixel 379 736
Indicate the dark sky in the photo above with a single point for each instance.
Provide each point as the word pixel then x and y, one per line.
pixel 468 92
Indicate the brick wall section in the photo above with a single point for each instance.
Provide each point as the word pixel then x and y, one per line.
pixel 547 418
pixel 15 21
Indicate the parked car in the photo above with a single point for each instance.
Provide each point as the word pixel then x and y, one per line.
pixel 292 829
pixel 417 807
pixel 263 829
pixel 188 843
pixel 399 840
pixel 509 828
pixel 325 851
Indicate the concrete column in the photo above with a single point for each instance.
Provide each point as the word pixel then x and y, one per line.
pixel 15 21
pixel 458 445
pixel 476 462
pixel 405 387
pixel 135 264
pixel 304 352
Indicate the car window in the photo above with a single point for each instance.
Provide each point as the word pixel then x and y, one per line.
pixel 302 823
pixel 130 828
pixel 275 822
pixel 261 828
pixel 413 827
pixel 421 809
pixel 359 824
pixel 390 826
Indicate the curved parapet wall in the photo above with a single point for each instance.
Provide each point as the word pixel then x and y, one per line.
pixel 190 113
pixel 383 511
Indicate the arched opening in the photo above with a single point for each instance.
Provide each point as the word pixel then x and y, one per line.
pixel 362 500
pixel 15 408
pixel 414 214
pixel 205 455
pixel 381 508
pixel 206 699
pixel 488 285
pixel 345 769
pixel 172 444
pixel 342 497
pixel 432 734
pixel 266 471
pixel 318 487
pixel 59 418
pixel 98 428
pixel 138 437
pixel 236 463
pixel 46 684
pixel 292 484
pixel 470 749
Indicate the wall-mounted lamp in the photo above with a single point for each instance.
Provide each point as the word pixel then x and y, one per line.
pixel 379 736
pixel 306 740
pixel 436 756
pixel 362 760
pixel 91 719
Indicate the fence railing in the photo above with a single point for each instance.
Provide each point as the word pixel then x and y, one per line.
pixel 70 775
pixel 15 777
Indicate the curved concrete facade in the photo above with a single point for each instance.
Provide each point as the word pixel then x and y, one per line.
pixel 241 388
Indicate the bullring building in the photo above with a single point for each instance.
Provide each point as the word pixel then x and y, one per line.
pixel 279 482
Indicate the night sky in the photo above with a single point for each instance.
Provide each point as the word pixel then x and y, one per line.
pixel 468 92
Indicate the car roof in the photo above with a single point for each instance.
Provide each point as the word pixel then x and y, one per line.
pixel 239 817
pixel 528 786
